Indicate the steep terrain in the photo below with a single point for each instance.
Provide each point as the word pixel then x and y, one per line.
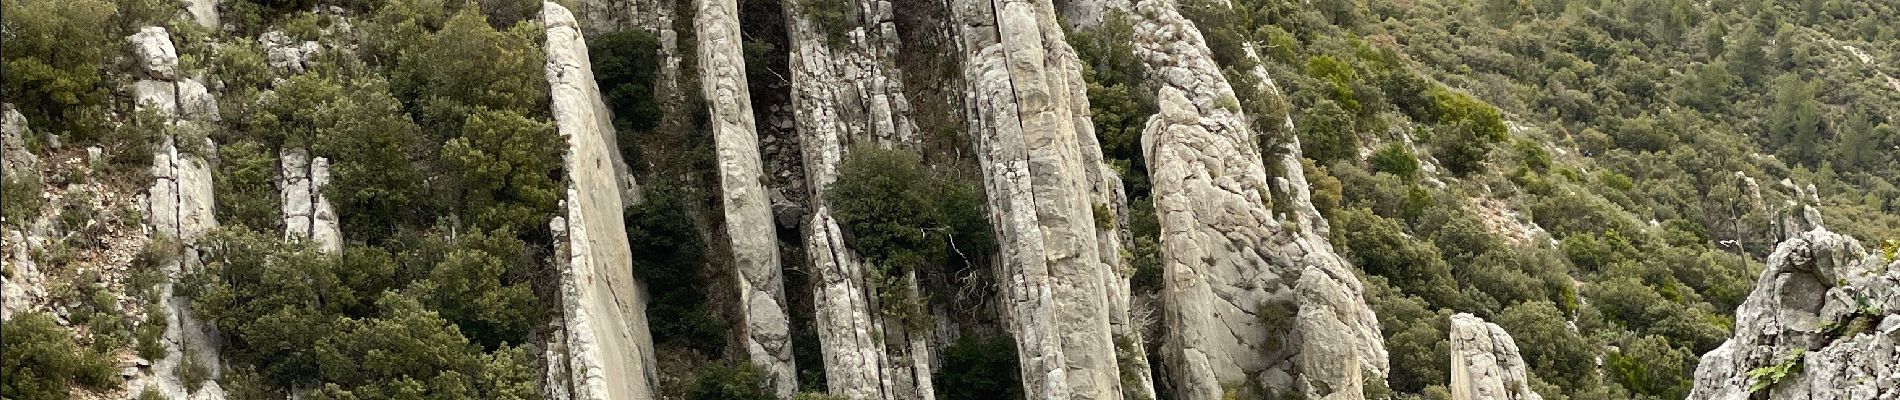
pixel 949 199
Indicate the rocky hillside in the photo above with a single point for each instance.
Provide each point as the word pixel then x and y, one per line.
pixel 949 199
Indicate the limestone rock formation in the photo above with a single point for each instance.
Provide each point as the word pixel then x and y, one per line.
pixel 1485 364
pixel 608 349
pixel 748 214
pixel 307 214
pixel 178 206
pixel 1249 295
pixel 1823 306
pixel 23 285
pixel 152 46
pixel 1028 115
pixel 848 90
pixel 203 12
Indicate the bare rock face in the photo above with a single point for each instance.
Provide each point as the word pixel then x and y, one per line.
pixel 848 90
pixel 307 214
pixel 1249 295
pixel 748 214
pixel 178 207
pixel 203 12
pixel 1029 117
pixel 608 349
pixel 286 55
pixel 152 46
pixel 23 285
pixel 1823 306
pixel 1485 364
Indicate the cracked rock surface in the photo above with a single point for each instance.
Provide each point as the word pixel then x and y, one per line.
pixel 748 211
pixel 1485 363
pixel 1823 304
pixel 608 349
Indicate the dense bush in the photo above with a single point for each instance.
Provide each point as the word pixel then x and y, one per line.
pixel 625 64
pixel 980 367
pixel 901 215
pixel 668 257
pixel 43 362
pixel 245 186
pixel 352 324
pixel 505 166
pixel 55 57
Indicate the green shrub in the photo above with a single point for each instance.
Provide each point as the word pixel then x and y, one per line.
pixel 245 186
pixel 668 256
pixel 55 57
pixel 1327 133
pixel 151 333
pixel 1396 159
pixel 980 368
pixel 727 382
pixel 625 64
pixel 834 17
pixel 43 363
pixel 900 215
pixel 192 372
pixel 151 393
pixel 20 198
pixel 503 165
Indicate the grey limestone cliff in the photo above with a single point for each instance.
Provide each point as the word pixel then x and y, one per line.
pixel 608 349
pixel 748 213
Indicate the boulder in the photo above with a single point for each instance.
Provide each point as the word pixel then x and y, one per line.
pixel 152 47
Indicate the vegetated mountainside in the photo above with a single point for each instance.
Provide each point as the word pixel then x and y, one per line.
pixel 918 199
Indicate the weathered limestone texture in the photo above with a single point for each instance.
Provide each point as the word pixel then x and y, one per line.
pixel 748 213
pixel 1233 271
pixel 203 12
pixel 609 351
pixel 848 90
pixel 307 214
pixel 23 286
pixel 1029 119
pixel 1824 305
pixel 1485 364
pixel 178 207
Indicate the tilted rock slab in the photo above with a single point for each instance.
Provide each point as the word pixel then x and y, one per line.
pixel 1825 298
pixel 848 90
pixel 178 206
pixel 1485 363
pixel 609 351
pixel 1226 257
pixel 748 213
pixel 1028 114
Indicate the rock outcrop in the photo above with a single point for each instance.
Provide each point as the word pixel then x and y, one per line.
pixel 1249 294
pixel 23 285
pixel 608 351
pixel 1485 364
pixel 1827 312
pixel 178 206
pixel 848 90
pixel 1028 116
pixel 748 213
pixel 307 214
